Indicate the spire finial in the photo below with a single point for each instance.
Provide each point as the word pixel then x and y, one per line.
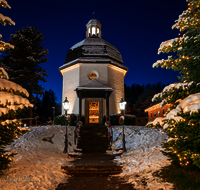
pixel 93 14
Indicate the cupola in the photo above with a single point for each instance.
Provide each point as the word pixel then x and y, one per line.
pixel 93 28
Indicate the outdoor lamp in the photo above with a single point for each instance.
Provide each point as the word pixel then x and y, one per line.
pixel 122 105
pixel 66 105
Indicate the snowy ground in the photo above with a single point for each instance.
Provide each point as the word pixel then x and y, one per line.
pixel 38 163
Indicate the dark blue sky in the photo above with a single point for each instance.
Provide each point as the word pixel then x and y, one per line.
pixel 135 28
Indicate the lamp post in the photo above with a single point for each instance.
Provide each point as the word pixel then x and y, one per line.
pixel 66 105
pixel 122 105
pixel 53 110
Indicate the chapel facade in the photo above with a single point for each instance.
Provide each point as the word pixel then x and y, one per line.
pixel 93 76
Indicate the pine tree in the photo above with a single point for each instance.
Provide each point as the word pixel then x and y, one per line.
pixel 13 101
pixel 23 63
pixel 48 101
pixel 182 124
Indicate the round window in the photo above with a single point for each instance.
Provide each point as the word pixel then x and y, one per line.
pixel 92 76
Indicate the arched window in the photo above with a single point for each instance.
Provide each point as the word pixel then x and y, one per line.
pixel 93 30
pixel 151 115
pixel 92 76
pixel 158 112
pixel 89 31
pixel 154 114
pixel 163 111
pixel 98 32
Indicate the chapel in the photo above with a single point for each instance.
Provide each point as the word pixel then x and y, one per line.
pixel 93 76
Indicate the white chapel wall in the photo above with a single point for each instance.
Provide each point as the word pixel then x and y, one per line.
pixel 70 82
pixel 116 81
pixel 86 68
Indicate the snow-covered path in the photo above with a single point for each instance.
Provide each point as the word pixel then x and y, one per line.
pixel 38 163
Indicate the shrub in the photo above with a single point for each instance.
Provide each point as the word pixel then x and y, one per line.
pixel 129 120
pixel 60 120
pixel 114 120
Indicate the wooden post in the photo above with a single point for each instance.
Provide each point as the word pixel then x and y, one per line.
pixel 80 104
pixel 107 104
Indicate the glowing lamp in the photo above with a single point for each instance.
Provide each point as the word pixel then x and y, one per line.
pixel 66 104
pixel 122 104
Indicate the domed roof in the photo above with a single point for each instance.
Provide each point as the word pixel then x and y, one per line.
pixel 94 47
pixel 93 21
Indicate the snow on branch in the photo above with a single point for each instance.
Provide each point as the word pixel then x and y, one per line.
pixel 191 103
pixel 5 19
pixel 6 97
pixel 3 73
pixel 161 61
pixel 6 84
pixel 4 4
pixel 10 121
pixel 169 87
pixel 180 19
pixel 156 96
pixel 167 43
pixel 4 46
pixel 177 85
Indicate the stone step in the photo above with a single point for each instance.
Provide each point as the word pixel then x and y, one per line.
pixel 92 170
pixel 93 138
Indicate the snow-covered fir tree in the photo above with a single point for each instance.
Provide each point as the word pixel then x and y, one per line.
pixel 182 122
pixel 23 63
pixel 13 101
pixel 5 20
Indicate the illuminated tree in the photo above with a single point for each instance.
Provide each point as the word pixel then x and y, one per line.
pixel 182 123
pixel 13 101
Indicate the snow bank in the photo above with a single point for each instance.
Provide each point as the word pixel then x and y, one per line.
pixel 143 148
pixel 143 156
pixel 38 163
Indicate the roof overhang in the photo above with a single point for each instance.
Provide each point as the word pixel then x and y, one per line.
pixel 96 61
pixel 93 93
pixel 94 88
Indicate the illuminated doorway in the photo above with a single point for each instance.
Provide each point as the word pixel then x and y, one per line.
pixel 93 112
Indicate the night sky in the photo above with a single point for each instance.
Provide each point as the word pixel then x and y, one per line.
pixel 135 28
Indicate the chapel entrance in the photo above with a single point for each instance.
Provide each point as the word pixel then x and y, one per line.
pixel 93 112
pixel 94 92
